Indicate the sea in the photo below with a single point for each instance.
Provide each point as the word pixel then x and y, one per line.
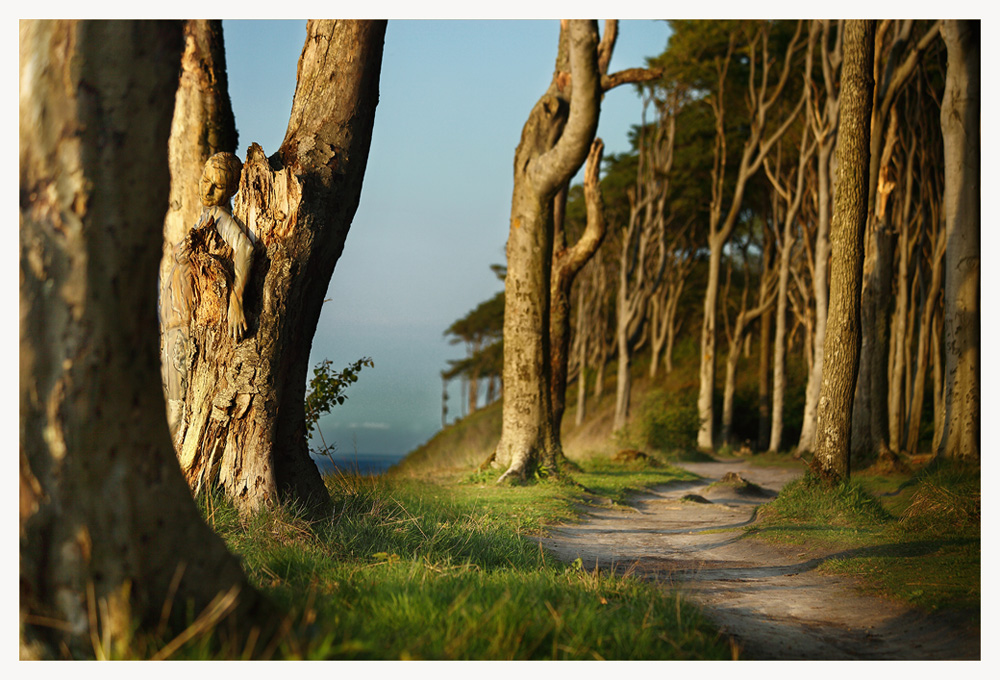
pixel 359 463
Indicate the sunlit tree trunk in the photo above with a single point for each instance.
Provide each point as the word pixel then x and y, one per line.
pixel 960 123
pixel 825 129
pixel 203 125
pixel 567 262
pixel 840 356
pixel 554 143
pixel 109 535
pixel 243 426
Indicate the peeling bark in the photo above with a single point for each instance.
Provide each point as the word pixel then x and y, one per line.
pixel 243 426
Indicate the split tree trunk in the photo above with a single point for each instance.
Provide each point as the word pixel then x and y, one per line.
pixel 107 525
pixel 554 143
pixel 244 420
pixel 567 262
pixel 843 342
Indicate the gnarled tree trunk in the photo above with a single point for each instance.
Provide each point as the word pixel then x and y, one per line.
pixel 108 532
pixel 554 143
pixel 243 425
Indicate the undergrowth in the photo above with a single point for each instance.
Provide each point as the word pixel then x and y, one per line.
pixel 913 538
pixel 412 569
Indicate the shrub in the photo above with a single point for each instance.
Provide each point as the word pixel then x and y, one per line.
pixel 666 422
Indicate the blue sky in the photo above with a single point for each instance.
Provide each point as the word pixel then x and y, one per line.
pixel 435 206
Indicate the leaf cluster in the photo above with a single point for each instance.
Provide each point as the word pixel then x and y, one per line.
pixel 327 386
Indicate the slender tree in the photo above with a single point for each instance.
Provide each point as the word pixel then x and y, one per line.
pixel 840 356
pixel 823 122
pixel 109 536
pixel 762 97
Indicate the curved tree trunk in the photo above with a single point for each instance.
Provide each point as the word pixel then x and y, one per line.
pixel 107 525
pixel 960 123
pixel 554 143
pixel 243 426
pixel 567 263
pixel 840 356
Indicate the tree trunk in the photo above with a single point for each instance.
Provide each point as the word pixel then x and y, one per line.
pixel 581 334
pixel 203 125
pixel 840 357
pixel 960 124
pixel 567 263
pixel 109 535
pixel 243 425
pixel 923 343
pixel 826 137
pixel 554 143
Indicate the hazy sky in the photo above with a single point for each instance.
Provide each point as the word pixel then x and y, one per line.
pixel 435 206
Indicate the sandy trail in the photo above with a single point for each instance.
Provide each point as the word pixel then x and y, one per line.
pixel 769 599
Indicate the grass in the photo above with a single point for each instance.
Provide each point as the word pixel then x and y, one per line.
pixel 418 569
pixel 911 538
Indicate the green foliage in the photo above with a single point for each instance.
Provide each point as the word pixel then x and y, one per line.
pixel 326 389
pixel 666 422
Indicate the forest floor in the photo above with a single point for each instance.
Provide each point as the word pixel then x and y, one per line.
pixel 772 600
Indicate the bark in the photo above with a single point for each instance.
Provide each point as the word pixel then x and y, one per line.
pixel 566 264
pixel 554 143
pixel 243 426
pixel 840 357
pixel 110 539
pixel 870 421
pixel 203 125
pixel 902 310
pixel 825 129
pixel 924 341
pixel 960 125
pixel 582 333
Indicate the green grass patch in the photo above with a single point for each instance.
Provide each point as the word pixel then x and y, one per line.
pixel 916 539
pixel 415 569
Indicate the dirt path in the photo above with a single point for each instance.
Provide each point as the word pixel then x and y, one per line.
pixel 769 599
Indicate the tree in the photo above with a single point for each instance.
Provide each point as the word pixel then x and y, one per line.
pixel 840 356
pixel 761 99
pixel 792 202
pixel 203 124
pixel 823 122
pixel 566 264
pixel 960 125
pixel 243 428
pixel 554 142
pixel 109 535
pixel 902 55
